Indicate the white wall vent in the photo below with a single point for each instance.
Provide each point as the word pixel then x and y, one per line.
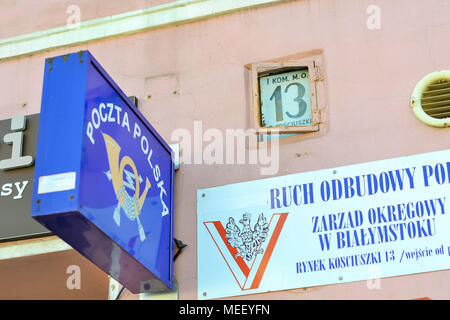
pixel 430 99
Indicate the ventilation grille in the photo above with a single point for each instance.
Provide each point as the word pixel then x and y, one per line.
pixel 435 99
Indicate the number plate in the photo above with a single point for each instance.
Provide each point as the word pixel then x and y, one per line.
pixel 285 99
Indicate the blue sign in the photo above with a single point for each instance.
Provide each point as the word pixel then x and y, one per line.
pixel 103 175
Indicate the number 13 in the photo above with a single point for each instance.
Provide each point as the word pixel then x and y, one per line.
pixel 279 102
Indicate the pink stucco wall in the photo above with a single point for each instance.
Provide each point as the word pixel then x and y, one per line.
pixel 370 75
pixel 45 276
pixel 26 16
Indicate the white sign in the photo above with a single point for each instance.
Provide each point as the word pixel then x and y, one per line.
pixel 285 99
pixel 359 222
pixel 56 182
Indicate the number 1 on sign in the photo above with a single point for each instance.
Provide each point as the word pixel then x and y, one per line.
pixel 278 103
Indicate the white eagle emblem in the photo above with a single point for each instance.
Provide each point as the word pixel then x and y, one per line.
pixel 247 241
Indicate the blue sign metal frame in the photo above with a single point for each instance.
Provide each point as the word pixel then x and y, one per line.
pixel 103 175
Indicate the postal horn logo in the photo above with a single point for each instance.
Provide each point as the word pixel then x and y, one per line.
pixel 130 205
pixel 247 247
